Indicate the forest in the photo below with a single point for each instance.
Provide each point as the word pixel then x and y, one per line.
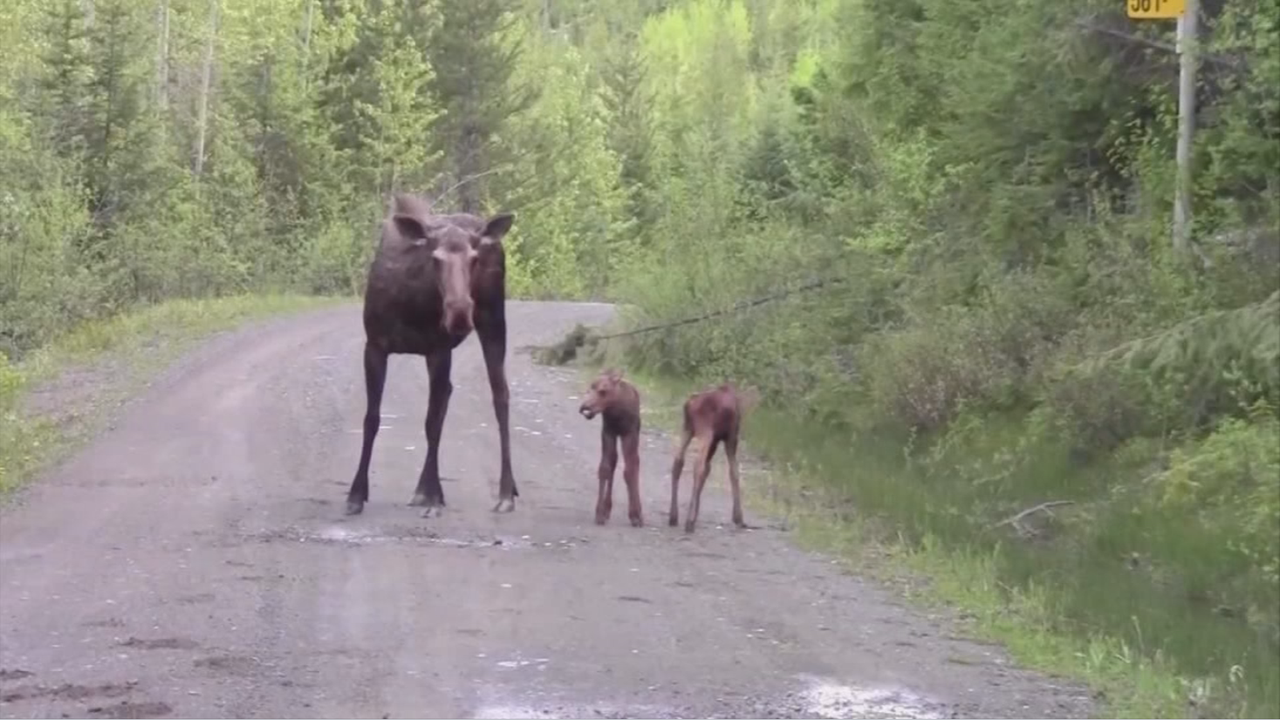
pixel 960 209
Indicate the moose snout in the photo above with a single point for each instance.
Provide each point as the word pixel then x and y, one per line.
pixel 458 318
pixel 586 411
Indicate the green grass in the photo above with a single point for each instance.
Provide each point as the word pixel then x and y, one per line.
pixel 1068 602
pixel 136 344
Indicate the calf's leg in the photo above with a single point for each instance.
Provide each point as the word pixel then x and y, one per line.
pixel 731 451
pixel 700 473
pixel 631 474
pixel 429 492
pixel 375 377
pixel 608 462
pixel 677 467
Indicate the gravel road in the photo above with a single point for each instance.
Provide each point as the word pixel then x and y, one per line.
pixel 194 561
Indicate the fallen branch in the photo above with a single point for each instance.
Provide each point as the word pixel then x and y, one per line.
pixel 1016 520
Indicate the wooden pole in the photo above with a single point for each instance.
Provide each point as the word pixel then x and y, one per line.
pixel 1188 27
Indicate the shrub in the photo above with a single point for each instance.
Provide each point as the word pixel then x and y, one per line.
pixel 982 356
pixel 1228 484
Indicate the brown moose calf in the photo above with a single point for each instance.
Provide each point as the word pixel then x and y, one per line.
pixel 713 416
pixel 617 402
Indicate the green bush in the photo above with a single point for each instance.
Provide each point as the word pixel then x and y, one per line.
pixel 1228 484
pixel 983 355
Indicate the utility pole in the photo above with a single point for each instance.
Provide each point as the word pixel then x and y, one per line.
pixel 1187 13
pixel 1188 35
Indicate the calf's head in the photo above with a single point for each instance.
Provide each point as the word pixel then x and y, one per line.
pixel 456 253
pixel 602 393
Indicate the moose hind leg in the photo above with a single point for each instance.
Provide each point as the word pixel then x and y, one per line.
pixel 700 472
pixel 429 492
pixel 677 467
pixel 731 452
pixel 375 378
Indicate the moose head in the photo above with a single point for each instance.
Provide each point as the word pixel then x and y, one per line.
pixel 456 251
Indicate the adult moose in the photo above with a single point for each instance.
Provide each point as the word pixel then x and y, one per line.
pixel 433 279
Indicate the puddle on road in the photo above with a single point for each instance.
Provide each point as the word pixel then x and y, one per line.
pixel 608 712
pixel 338 535
pixel 819 698
pixel 826 699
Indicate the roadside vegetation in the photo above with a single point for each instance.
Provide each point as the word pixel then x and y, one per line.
pixel 1003 367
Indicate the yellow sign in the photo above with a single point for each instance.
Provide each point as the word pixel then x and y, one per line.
pixel 1155 9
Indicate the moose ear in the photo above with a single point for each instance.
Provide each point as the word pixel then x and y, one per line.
pixel 614 374
pixel 410 227
pixel 498 226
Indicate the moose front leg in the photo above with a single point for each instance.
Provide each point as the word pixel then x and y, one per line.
pixel 429 492
pixel 375 377
pixel 608 463
pixel 493 342
pixel 631 474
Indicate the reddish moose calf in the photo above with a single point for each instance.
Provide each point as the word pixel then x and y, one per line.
pixel 713 416
pixel 617 402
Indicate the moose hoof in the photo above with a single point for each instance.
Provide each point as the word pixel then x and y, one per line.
pixel 673 520
pixel 433 511
pixel 637 521
pixel 355 507
pixel 421 499
pixel 505 505
pixel 688 526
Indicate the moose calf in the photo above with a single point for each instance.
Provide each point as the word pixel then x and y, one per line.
pixel 713 416
pixel 617 402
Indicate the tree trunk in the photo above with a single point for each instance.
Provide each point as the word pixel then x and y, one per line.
pixel 306 44
pixel 206 75
pixel 162 56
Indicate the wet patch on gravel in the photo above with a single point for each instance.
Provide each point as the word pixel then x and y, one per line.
pixel 826 699
pixel 171 643
pixel 127 709
pixel 68 691
pixel 234 664
pixel 817 698
pixel 338 535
